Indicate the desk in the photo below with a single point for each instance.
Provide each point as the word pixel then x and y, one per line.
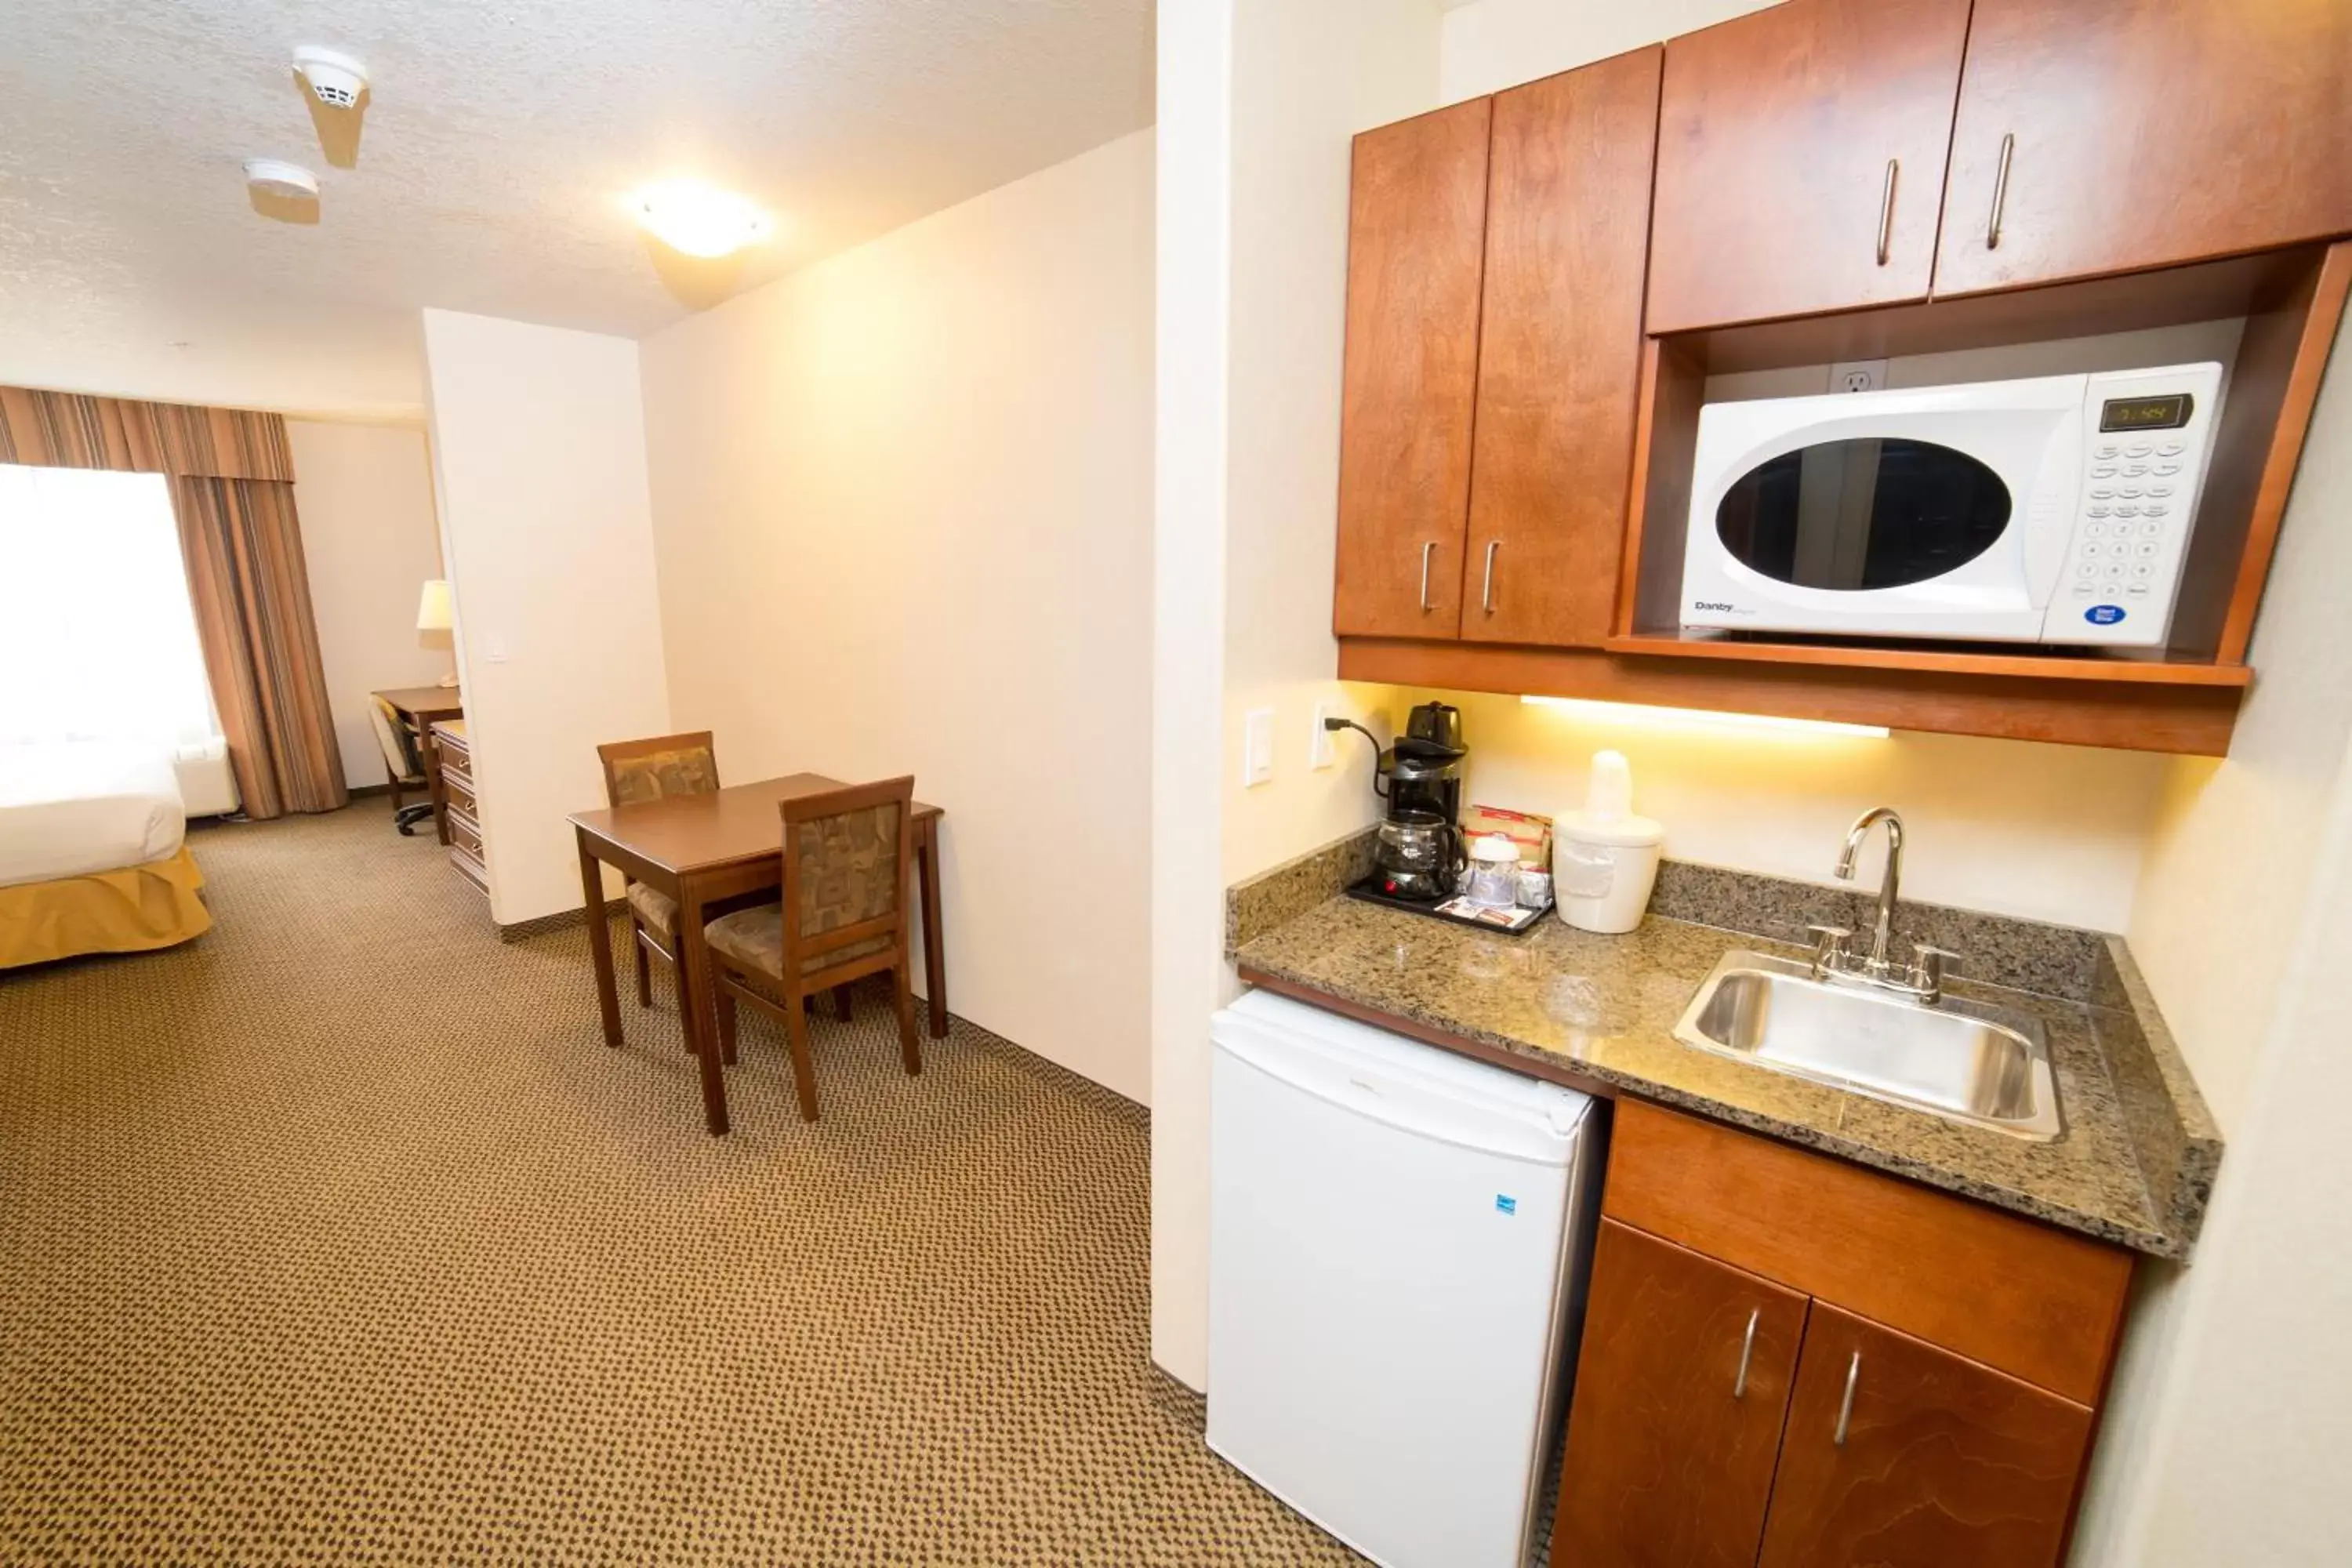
pixel 701 849
pixel 420 708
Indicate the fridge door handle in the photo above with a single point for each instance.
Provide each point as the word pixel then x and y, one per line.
pixel 1420 1107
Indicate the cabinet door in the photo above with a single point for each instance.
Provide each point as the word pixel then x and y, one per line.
pixel 1560 352
pixel 1670 1447
pixel 1416 236
pixel 1899 1452
pixel 1800 160
pixel 2113 134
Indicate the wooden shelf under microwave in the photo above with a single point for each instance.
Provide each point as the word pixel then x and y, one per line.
pixel 2169 671
pixel 2114 703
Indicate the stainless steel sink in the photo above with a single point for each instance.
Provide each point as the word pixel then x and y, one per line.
pixel 1955 1059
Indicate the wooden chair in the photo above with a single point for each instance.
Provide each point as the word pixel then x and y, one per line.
pixel 654 769
pixel 847 855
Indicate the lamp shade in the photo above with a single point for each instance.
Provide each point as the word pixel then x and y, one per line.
pixel 433 607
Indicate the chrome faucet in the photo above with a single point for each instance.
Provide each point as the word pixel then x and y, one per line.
pixel 1923 977
pixel 1876 962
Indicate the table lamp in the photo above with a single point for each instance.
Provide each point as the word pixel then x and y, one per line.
pixel 434 625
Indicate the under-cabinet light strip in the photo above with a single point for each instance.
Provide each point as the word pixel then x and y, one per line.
pixel 1702 718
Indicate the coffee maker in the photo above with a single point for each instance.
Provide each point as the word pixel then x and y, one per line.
pixel 1420 854
pixel 1423 769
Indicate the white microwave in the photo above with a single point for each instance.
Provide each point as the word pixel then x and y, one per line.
pixel 2053 510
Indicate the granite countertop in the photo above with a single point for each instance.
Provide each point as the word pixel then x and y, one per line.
pixel 2134 1165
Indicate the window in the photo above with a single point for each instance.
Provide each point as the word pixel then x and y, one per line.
pixel 97 639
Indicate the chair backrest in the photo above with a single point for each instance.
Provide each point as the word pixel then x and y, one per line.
pixel 399 744
pixel 847 855
pixel 658 767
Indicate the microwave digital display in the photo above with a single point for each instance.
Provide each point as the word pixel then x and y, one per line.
pixel 2146 413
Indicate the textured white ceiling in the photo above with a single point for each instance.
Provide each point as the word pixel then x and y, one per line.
pixel 498 145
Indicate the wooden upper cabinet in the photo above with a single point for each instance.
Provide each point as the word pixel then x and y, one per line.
pixel 1681 1386
pixel 1416 238
pixel 2139 133
pixel 1899 1452
pixel 1560 352
pixel 1800 160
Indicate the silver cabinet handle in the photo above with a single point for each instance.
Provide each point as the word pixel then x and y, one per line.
pixel 1746 1349
pixel 1886 213
pixel 1845 1406
pixel 2000 192
pixel 1426 551
pixel 1486 594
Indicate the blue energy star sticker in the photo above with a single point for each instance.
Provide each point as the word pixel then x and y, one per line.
pixel 2103 615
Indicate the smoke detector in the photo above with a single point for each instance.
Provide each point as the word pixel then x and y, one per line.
pixel 276 177
pixel 335 79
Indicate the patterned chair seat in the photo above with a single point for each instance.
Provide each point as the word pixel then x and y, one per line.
pixel 654 908
pixel 755 939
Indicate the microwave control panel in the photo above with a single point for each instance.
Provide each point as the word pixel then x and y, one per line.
pixel 2145 437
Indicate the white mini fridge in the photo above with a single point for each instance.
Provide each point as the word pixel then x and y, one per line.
pixel 1398 1243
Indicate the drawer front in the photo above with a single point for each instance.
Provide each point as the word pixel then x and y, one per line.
pixel 454 770
pixel 466 834
pixel 472 870
pixel 2036 1302
pixel 460 791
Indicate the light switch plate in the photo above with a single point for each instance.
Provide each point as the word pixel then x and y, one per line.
pixel 1257 746
pixel 1320 752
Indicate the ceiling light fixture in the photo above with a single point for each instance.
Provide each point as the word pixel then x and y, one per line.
pixel 1703 718
pixel 697 219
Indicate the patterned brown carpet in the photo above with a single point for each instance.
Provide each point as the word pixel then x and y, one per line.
pixel 339 1236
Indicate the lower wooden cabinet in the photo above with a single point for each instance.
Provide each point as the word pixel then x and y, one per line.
pixel 1727 1417
pixel 1679 1401
pixel 1899 1452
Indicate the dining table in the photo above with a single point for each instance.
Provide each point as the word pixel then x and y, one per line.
pixel 722 848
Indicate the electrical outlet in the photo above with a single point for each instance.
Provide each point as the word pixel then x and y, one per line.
pixel 1859 376
pixel 1320 752
pixel 1257 746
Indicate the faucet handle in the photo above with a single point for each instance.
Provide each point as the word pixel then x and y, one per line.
pixel 1829 945
pixel 1928 967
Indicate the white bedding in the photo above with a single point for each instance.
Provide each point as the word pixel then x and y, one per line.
pixel 77 806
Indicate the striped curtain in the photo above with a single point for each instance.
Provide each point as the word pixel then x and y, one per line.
pixel 232 478
pixel 252 594
pixel 68 430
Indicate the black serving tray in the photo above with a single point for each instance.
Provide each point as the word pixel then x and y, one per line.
pixel 1446 909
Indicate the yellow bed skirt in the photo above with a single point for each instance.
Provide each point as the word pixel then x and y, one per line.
pixel 134 909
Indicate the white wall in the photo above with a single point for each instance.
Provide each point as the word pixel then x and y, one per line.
pixel 2247 828
pixel 2052 833
pixel 1495 44
pixel 1258 101
pixel 539 450
pixel 364 493
pixel 902 503
pixel 2248 1462
pixel 1192 333
pixel 2230 1404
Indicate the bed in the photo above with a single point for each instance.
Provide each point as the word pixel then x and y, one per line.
pixel 94 853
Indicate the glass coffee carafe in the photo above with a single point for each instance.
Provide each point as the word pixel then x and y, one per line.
pixel 1420 854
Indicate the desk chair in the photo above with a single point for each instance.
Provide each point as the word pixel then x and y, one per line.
pixel 403 764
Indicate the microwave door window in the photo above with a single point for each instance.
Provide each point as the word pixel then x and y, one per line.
pixel 1853 515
